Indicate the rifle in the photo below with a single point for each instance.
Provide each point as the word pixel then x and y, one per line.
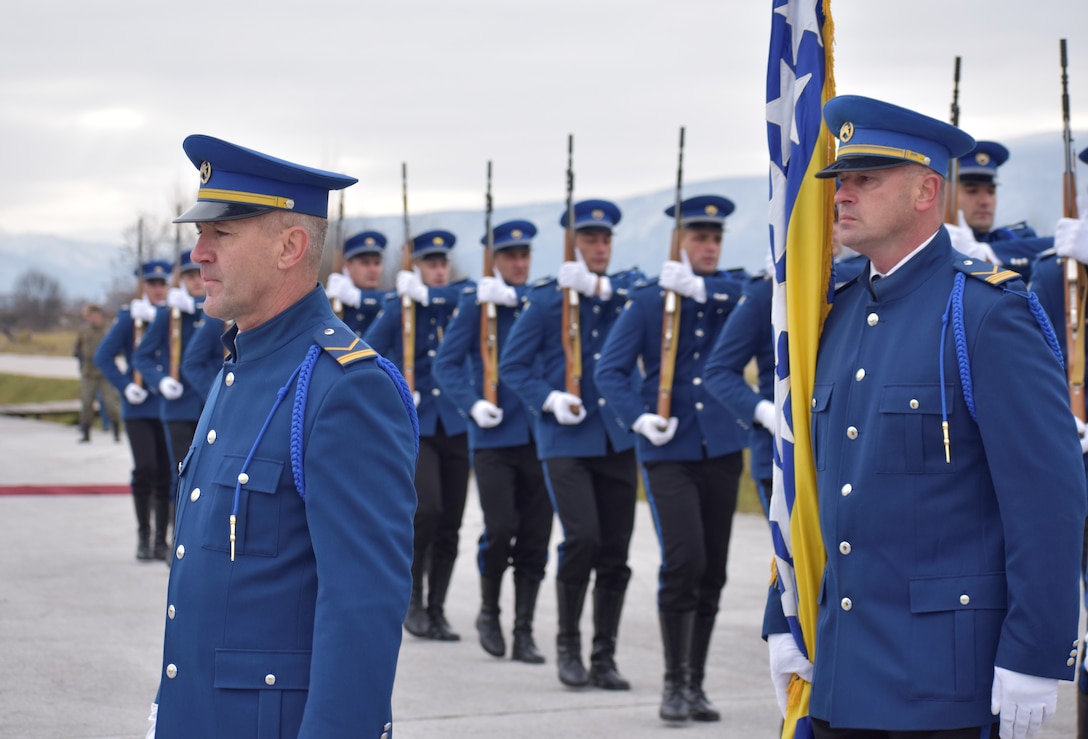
pixel 951 204
pixel 489 339
pixel 137 323
pixel 407 305
pixel 670 325
pixel 338 257
pixel 175 313
pixel 1076 279
pixel 572 331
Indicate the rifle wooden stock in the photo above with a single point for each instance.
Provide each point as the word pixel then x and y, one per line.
pixel 670 324
pixel 1075 276
pixel 138 324
pixel 407 305
pixel 338 257
pixel 489 332
pixel 175 313
pixel 951 200
pixel 572 330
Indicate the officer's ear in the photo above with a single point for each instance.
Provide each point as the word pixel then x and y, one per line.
pixel 294 242
pixel 927 189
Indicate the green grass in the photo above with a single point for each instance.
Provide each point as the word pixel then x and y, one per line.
pixel 45 343
pixel 20 389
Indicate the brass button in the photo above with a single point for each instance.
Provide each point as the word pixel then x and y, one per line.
pixel 844 547
pixel 270 679
pixel 211 436
pixel 330 331
pixel 170 612
pixel 846 604
pixel 873 319
pixel 195 495
pixel 965 599
pixel 851 432
pixel 180 551
pixel 243 478
pixel 171 671
pixel 847 489
pixel 859 375
pixel 229 379
pixel 914 404
pixel 699 406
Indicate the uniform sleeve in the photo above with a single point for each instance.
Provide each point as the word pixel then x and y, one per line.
pixel 115 342
pixel 384 334
pixel 359 510
pixel 202 357
pixel 738 341
pixel 451 364
pixel 518 359
pixel 156 338
pixel 619 354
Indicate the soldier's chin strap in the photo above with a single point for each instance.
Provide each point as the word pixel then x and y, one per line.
pixel 954 312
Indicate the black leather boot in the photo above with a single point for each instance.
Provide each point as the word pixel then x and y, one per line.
pixel 487 623
pixel 437 584
pixel 162 524
pixel 142 504
pixel 676 639
pixel 699 706
pixel 607 607
pixel 525 592
pixel 417 622
pixel 569 639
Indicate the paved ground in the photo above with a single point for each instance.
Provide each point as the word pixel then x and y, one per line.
pixel 64 368
pixel 81 626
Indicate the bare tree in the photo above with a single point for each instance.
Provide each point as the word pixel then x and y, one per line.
pixel 37 301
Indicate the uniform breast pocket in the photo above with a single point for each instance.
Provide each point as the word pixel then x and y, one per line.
pixel 821 398
pixel 910 429
pixel 258 523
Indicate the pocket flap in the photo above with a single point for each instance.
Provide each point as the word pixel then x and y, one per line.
pixel 914 399
pixel 264 474
pixel 934 594
pixel 253 669
pixel 821 396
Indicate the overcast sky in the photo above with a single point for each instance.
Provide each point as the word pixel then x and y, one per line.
pixel 97 96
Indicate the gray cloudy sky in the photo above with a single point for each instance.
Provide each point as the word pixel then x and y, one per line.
pixel 97 96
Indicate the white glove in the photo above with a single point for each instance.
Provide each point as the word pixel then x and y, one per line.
pixel 656 428
pixel 154 719
pixel 495 290
pixel 1083 437
pixel 786 661
pixel 416 397
pixel 178 297
pixel 765 415
pixel 340 288
pixel 142 310
pixel 567 409
pixel 576 275
pixel 1071 237
pixel 487 415
pixel 963 240
pixel 681 278
pixel 1024 702
pixel 170 388
pixel 411 284
pixel 135 394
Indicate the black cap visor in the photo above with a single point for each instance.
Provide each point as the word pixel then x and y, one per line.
pixel 859 164
pixel 208 211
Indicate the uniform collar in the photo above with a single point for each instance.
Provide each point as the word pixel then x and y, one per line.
pixel 281 329
pixel 914 270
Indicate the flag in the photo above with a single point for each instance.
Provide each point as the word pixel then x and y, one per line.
pixel 799 82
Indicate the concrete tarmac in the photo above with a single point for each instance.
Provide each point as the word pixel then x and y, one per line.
pixel 81 625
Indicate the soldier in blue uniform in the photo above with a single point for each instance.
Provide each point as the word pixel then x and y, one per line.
pixel 151 470
pixel 292 559
pixel 587 449
pixel 514 499
pixel 442 472
pixel 934 613
pixel 358 288
pixel 692 460
pixel 179 405
pixel 202 356
pixel 1014 246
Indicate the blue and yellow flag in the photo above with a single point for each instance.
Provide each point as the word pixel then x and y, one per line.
pixel 799 82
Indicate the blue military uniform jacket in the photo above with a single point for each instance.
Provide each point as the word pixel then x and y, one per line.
pixel 299 635
pixel 532 363
pixel 459 371
pixel 1017 246
pixel 370 305
pixel 152 360
pixel 384 336
pixel 119 341
pixel 706 428
pixel 747 333
pixel 938 571
pixel 202 356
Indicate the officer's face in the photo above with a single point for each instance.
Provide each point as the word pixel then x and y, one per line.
pixel 703 247
pixel 194 283
pixel 365 271
pixel 434 270
pixel 978 201
pixel 156 291
pixel 877 209
pixel 238 262
pixel 596 248
pixel 513 264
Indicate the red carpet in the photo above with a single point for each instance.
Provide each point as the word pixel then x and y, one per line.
pixel 65 489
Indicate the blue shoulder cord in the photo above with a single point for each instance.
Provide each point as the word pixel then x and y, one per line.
pixel 959 332
pixel 298 413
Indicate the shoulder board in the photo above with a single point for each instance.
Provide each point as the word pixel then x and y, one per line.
pixel 988 273
pixel 470 290
pixel 342 344
pixel 1047 254
pixel 543 281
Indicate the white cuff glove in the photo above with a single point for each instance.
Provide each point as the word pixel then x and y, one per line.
pixel 340 287
pixel 487 415
pixel 154 719
pixel 576 276
pixel 567 409
pixel 178 297
pixel 1024 702
pixel 786 661
pixel 416 397
pixel 170 388
pixel 681 278
pixel 765 415
pixel 656 428
pixel 1071 238
pixel 142 310
pixel 1081 428
pixel 135 394
pixel 495 290
pixel 963 240
pixel 411 284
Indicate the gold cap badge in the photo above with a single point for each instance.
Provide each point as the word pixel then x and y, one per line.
pixel 846 132
pixel 982 159
pixel 516 233
pixel 597 214
pixel 437 241
pixel 205 172
pixel 369 241
pixel 711 210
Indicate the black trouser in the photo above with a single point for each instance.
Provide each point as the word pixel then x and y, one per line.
pixel 693 505
pixel 441 488
pixel 594 498
pixel 517 512
pixel 151 465
pixel 822 730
